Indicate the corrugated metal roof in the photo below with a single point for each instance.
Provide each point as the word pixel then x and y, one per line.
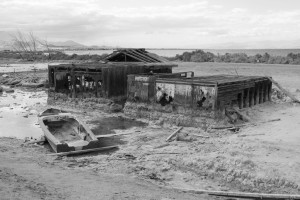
pixel 134 55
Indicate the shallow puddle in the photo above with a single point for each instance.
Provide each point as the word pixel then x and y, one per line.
pixel 107 125
pixel 16 119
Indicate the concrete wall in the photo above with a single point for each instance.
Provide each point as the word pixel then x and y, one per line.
pixel 189 95
pixel 152 89
pixel 141 88
pixel 174 114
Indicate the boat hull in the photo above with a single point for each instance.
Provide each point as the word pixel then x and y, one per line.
pixel 57 126
pixel 58 148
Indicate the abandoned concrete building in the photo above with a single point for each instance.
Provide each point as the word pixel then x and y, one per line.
pixel 213 92
pixel 141 76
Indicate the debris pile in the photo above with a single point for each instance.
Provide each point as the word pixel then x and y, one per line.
pixel 29 80
pixel 278 96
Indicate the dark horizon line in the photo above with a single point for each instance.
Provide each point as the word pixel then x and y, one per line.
pixel 183 48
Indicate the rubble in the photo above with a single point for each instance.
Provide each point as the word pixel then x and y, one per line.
pixel 278 96
pixel 9 90
pixel 29 80
pixel 242 156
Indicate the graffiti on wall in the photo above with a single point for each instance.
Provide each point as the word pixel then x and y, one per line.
pixel 200 96
pixel 165 93
pixel 205 96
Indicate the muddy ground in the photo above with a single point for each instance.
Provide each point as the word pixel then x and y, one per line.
pixel 261 157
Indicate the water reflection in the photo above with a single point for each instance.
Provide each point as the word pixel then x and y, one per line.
pixel 17 118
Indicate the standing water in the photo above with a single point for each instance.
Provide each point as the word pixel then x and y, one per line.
pixel 22 67
pixel 18 118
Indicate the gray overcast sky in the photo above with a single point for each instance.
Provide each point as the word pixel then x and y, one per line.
pixel 159 23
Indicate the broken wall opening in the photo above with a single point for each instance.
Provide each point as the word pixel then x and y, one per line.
pixel 97 80
pixel 87 85
pixel 62 82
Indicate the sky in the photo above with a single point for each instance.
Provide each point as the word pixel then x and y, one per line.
pixel 200 24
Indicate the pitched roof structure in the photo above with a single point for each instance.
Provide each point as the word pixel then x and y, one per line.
pixel 134 55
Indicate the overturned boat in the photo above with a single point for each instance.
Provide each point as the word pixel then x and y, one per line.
pixel 65 132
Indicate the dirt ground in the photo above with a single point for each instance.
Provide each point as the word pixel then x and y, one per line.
pixel 27 172
pixel 261 157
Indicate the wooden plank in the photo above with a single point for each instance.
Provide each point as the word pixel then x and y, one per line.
pixel 270 91
pixel 144 56
pixel 133 56
pixel 244 98
pixel 109 80
pixel 246 124
pixel 244 83
pixel 241 100
pixel 244 117
pixel 264 92
pixel 73 78
pixel 83 151
pixel 173 134
pixel 251 103
pixel 222 107
pixel 230 96
pixel 245 80
pixel 284 90
pixel 161 146
pixel 197 135
pixel 104 81
pixel 267 91
pixel 214 106
pixel 111 135
pixel 185 82
pixel 260 93
pixel 233 89
pixel 247 99
pixel 82 81
pixel 256 99
pixel 250 84
pixel 247 195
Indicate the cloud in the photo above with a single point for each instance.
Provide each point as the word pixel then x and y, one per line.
pixel 153 23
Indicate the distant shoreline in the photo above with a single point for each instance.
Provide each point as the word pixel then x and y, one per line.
pixel 171 52
pixel 96 49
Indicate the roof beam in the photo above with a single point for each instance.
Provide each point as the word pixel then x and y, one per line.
pixel 142 56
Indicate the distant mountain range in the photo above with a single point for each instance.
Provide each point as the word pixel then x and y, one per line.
pixel 68 43
pixel 5 43
pixel 5 40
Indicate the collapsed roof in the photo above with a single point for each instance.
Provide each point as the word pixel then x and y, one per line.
pixel 134 55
